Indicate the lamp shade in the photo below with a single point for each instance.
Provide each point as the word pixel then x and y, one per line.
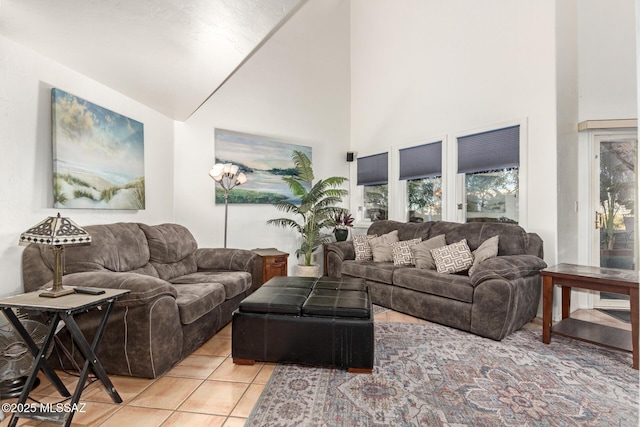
pixel 56 230
pixel 216 171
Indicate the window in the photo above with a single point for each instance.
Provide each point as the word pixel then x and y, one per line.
pixel 490 163
pixel 421 167
pixel 373 175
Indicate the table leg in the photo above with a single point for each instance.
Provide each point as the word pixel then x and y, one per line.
pixel 88 352
pixel 633 299
pixel 547 305
pixel 566 301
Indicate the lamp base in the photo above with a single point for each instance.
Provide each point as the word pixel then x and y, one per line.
pixel 57 293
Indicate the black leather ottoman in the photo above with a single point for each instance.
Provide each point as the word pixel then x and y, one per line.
pixel 315 321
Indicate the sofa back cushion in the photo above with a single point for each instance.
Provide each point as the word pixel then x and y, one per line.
pixel 120 247
pixel 406 230
pixel 513 238
pixel 172 249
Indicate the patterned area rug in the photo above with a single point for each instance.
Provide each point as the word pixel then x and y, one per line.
pixel 431 375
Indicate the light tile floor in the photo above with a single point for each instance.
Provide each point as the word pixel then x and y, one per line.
pixel 205 389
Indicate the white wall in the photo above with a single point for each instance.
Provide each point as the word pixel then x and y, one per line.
pixel 294 89
pixel 422 68
pixel 26 195
pixel 607 59
pixel 567 129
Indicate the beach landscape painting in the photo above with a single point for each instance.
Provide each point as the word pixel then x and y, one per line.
pixel 98 156
pixel 263 160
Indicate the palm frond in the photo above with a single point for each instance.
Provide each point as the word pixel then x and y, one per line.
pixel 303 165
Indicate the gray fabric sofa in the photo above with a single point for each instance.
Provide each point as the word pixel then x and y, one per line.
pixel 500 296
pixel 181 295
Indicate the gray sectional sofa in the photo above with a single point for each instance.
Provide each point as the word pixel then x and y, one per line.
pixel 499 297
pixel 181 295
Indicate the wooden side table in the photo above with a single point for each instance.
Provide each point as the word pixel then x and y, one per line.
pixel 274 263
pixel 611 280
pixel 61 309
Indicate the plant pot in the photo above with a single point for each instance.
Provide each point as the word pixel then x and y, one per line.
pixel 307 270
pixel 341 235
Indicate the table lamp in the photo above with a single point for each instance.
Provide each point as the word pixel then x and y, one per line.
pixel 57 232
pixel 228 177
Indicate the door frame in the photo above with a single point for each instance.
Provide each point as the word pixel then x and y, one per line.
pixel 590 134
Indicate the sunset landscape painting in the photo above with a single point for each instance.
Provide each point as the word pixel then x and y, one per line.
pixel 98 156
pixel 263 160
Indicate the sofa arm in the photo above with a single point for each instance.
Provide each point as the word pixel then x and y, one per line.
pixel 231 259
pixel 336 253
pixel 508 267
pixel 144 289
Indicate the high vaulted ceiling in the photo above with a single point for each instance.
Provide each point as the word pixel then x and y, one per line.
pixel 168 54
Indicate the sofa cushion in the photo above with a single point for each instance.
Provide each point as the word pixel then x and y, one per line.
pixel 453 286
pixel 119 247
pixel 453 258
pixel 381 246
pixel 406 230
pixel 488 249
pixel 362 247
pixel 234 282
pixel 513 238
pixel 369 270
pixel 422 252
pixel 403 252
pixel 196 300
pixel 172 249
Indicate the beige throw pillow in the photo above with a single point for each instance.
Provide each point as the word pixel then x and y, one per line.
pixel 453 258
pixel 488 249
pixel 402 254
pixel 422 252
pixel 381 246
pixel 362 247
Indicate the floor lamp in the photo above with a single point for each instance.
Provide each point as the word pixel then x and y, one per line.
pixel 226 174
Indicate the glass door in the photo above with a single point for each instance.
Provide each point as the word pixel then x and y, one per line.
pixel 616 161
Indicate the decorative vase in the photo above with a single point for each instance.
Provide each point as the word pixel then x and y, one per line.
pixel 302 270
pixel 341 235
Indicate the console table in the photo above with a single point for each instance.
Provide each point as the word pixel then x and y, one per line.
pixel 62 309
pixel 611 280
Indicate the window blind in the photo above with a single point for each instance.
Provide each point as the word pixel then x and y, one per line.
pixel 422 161
pixel 492 150
pixel 372 170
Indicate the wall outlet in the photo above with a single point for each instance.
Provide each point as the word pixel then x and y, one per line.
pixel 314 258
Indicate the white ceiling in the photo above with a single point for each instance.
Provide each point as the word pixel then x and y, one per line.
pixel 168 54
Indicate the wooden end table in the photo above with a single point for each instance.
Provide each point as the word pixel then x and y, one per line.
pixel 611 280
pixel 274 263
pixel 62 309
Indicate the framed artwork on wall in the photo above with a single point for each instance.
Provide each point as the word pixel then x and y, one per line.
pixel 263 160
pixel 98 156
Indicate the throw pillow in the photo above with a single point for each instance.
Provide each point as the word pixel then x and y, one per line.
pixel 453 258
pixel 381 246
pixel 362 246
pixel 488 249
pixel 422 252
pixel 401 251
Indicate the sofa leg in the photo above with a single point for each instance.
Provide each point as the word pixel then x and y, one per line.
pixel 244 362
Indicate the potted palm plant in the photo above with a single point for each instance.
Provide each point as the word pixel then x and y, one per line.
pixel 315 211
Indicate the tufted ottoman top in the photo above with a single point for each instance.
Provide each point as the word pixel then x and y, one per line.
pixel 303 296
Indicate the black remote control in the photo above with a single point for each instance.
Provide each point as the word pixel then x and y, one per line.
pixel 90 291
